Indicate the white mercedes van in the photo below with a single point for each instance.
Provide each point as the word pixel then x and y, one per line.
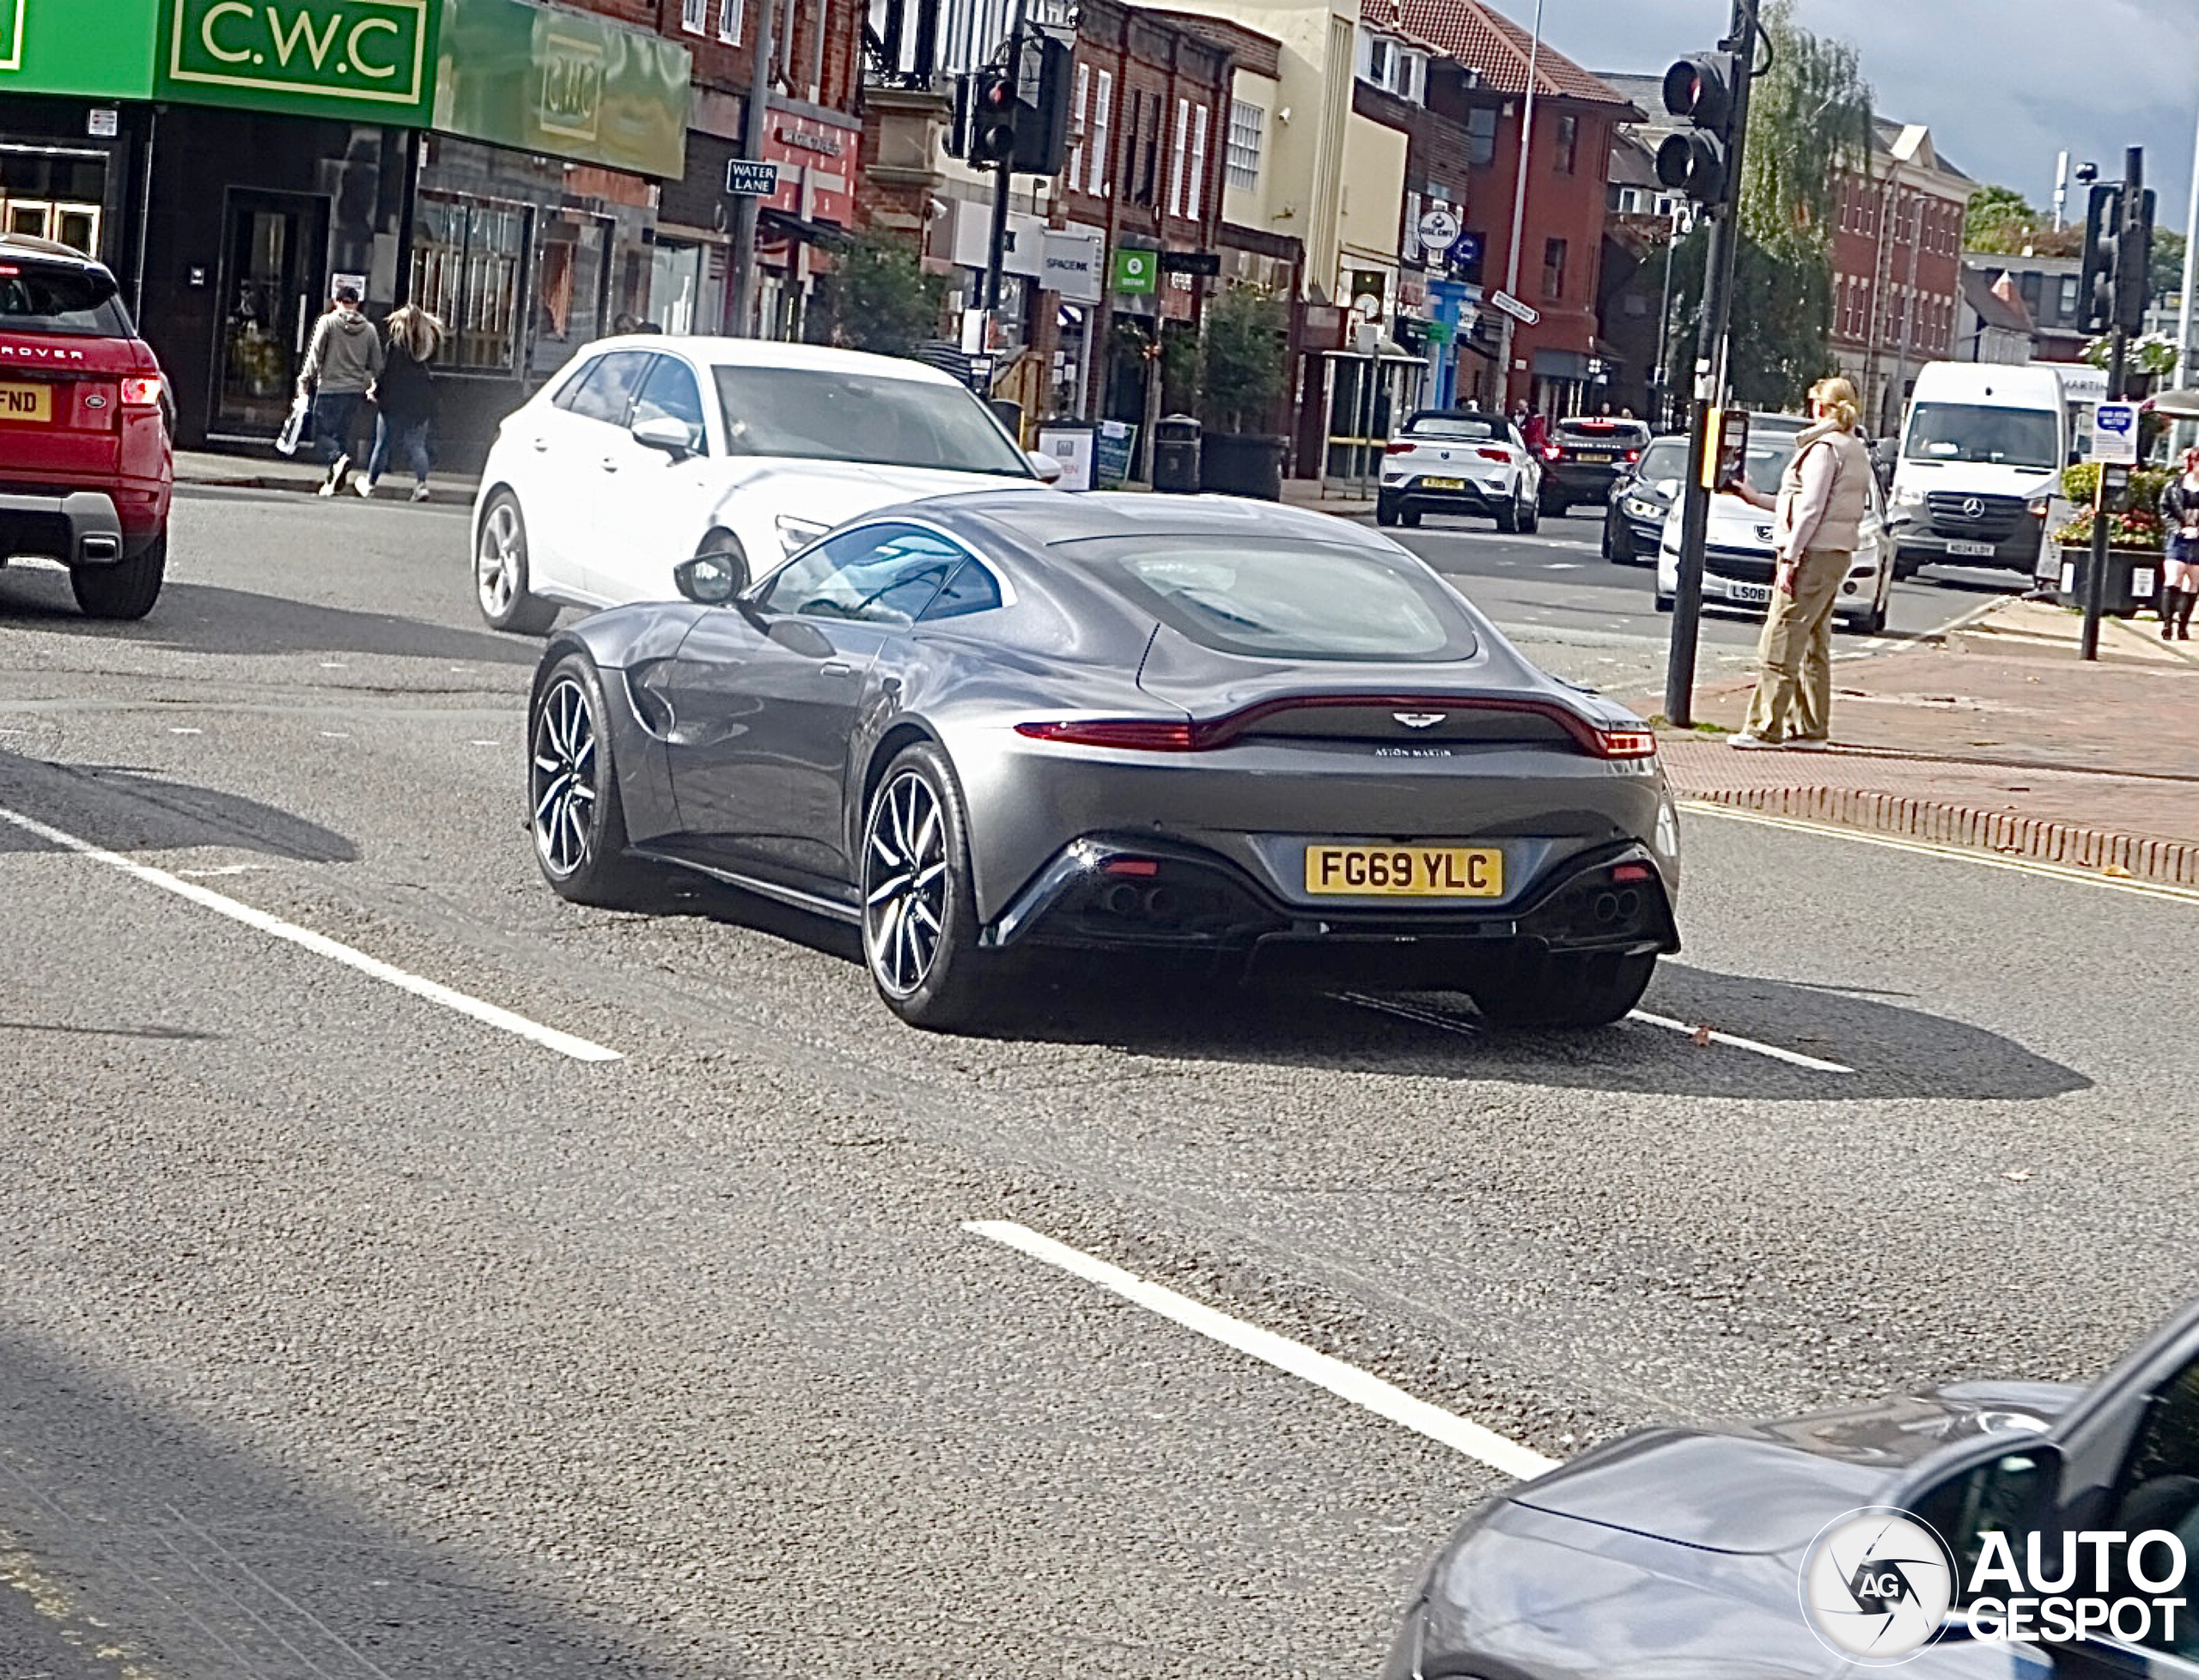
pixel 1982 452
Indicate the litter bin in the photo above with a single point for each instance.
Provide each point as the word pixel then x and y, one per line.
pixel 1242 463
pixel 1011 415
pixel 1176 455
pixel 2133 579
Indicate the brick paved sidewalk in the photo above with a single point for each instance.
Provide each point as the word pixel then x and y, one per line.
pixel 1996 737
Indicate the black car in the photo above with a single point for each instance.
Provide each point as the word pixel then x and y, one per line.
pixel 1717 1552
pixel 1583 456
pixel 1634 520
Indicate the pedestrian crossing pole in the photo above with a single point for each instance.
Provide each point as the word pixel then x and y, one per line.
pixel 1722 206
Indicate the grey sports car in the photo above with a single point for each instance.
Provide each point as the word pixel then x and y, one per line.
pixel 991 726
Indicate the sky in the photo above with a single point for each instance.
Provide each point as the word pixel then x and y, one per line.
pixel 2004 85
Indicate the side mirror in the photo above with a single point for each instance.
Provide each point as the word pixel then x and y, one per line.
pixel 1048 467
pixel 1899 521
pixel 711 580
pixel 676 438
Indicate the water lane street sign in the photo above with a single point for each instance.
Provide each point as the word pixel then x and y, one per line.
pixel 751 180
pixel 1511 306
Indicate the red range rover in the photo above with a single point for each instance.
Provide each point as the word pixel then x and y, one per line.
pixel 85 464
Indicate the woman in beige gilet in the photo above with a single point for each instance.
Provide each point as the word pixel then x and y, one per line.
pixel 1819 512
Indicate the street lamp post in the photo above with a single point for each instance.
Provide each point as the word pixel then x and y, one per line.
pixel 1519 213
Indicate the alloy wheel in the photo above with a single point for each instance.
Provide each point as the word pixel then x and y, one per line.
pixel 496 566
pixel 904 884
pixel 561 781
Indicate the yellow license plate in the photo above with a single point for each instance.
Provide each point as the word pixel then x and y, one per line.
pixel 1443 483
pixel 27 402
pixel 1406 872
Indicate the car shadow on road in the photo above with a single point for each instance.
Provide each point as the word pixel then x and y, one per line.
pixel 122 809
pixel 1889 1051
pixel 209 619
pixel 145 1530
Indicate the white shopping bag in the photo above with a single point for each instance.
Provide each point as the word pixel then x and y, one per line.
pixel 296 428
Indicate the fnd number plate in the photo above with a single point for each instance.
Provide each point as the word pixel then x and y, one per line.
pixel 33 403
pixel 1406 872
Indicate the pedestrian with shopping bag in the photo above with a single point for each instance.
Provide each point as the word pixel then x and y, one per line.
pixel 2179 509
pixel 1818 518
pixel 343 362
pixel 405 399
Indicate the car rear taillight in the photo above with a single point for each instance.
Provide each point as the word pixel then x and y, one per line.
pixel 1623 743
pixel 1400 449
pixel 141 390
pixel 1139 735
pixel 1634 454
pixel 1130 866
pixel 1632 871
pixel 1504 455
pixel 1551 452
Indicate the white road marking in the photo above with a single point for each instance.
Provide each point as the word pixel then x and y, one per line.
pixel 1562 565
pixel 565 1043
pixel 177 729
pixel 1795 1058
pixel 1408 1012
pixel 2023 866
pixel 1346 1382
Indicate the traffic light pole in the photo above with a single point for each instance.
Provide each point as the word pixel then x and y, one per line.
pixel 996 251
pixel 2132 220
pixel 1711 370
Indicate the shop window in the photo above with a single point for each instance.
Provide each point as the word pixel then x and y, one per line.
pixel 1481 136
pixel 1569 144
pixel 1553 269
pixel 569 287
pixel 469 269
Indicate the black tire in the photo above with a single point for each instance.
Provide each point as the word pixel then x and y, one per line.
pixel 1564 989
pixel 1664 603
pixel 500 573
pixel 1554 509
pixel 1531 517
pixel 1872 623
pixel 575 816
pixel 1618 550
pixel 1385 512
pixel 916 832
pixel 1410 518
pixel 1905 567
pixel 127 589
pixel 1508 519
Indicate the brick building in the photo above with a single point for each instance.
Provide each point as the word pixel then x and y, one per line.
pixel 1896 268
pixel 1465 126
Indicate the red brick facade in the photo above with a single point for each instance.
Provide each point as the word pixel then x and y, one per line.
pixel 1896 285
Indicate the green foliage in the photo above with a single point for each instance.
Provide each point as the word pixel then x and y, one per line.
pixel 1244 357
pixel 2081 483
pixel 2134 524
pixel 1809 118
pixel 2156 353
pixel 1782 310
pixel 2167 276
pixel 2000 219
pixel 881 298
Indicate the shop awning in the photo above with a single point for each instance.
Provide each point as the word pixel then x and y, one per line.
pixel 787 225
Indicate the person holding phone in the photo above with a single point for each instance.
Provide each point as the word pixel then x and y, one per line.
pixel 1819 514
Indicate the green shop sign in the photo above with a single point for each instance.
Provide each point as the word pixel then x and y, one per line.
pixel 46 46
pixel 317 58
pixel 565 84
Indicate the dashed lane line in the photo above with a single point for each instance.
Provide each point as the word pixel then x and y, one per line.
pixel 2022 866
pixel 1466 1029
pixel 1346 1382
pixel 488 1014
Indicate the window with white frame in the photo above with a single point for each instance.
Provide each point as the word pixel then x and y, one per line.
pixel 1182 137
pixel 1248 133
pixel 1195 189
pixel 694 16
pixel 1096 140
pixel 729 17
pixel 1079 109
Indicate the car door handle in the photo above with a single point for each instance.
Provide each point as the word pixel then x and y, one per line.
pixel 541 444
pixel 836 667
pixel 609 464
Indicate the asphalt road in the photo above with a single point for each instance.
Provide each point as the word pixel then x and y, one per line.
pixel 352 1333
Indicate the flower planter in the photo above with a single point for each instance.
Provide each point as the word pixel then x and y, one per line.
pixel 1241 464
pixel 2134 577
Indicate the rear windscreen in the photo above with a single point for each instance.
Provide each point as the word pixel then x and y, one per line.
pixel 1455 429
pixel 1278 598
pixel 34 298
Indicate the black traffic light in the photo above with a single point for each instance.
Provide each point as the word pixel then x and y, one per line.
pixel 2117 280
pixel 993 113
pixel 1704 92
pixel 1042 122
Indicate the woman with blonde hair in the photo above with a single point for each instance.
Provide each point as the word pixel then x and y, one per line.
pixel 405 394
pixel 1822 498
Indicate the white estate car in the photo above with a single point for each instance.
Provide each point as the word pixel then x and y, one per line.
pixel 1737 555
pixel 647 450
